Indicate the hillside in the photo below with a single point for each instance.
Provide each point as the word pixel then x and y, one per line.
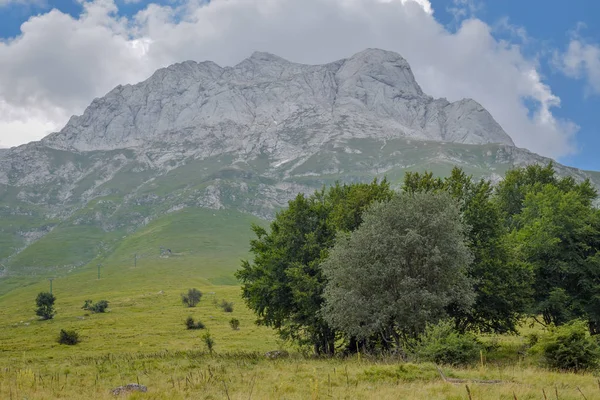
pixel 196 138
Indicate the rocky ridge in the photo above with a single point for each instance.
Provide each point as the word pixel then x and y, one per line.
pixel 248 137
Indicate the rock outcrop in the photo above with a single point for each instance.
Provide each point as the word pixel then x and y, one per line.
pixel 266 102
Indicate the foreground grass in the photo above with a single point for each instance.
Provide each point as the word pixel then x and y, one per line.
pixel 198 375
pixel 143 339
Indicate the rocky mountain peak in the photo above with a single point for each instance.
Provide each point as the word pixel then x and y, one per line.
pixel 261 56
pixel 266 99
pixel 385 67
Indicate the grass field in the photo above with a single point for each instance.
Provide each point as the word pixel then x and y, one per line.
pixel 143 338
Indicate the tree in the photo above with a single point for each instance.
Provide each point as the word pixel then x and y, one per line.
pixel 191 298
pixel 518 182
pixel 560 238
pixel 555 229
pixel 496 272
pixel 45 305
pixel 284 283
pixel 399 270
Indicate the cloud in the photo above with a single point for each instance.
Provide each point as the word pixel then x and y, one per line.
pixel 581 60
pixel 60 63
pixel 462 9
pixel 5 3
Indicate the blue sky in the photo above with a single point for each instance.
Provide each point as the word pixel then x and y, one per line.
pixel 520 59
pixel 551 25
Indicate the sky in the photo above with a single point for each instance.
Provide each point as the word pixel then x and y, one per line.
pixel 535 64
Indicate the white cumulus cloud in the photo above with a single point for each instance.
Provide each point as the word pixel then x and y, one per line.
pixel 581 60
pixel 59 63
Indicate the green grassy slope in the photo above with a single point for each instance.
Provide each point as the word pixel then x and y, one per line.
pixel 207 242
pixel 146 313
pixel 211 242
pixel 110 214
pixel 143 339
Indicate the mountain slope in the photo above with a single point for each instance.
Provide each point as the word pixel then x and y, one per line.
pixel 197 136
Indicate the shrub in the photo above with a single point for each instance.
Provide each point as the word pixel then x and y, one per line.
pixel 45 305
pixel 191 298
pixel 191 324
pixel 209 342
pixel 234 323
pixel 227 306
pixel 68 337
pixel 570 347
pixel 99 307
pixel 442 344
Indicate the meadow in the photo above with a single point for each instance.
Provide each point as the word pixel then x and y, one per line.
pixel 142 339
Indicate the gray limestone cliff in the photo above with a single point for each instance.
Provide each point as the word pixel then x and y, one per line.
pixel 268 102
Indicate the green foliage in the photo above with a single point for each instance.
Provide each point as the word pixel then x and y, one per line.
pixel 226 306
pixel 99 307
pixel 557 232
pixel 399 270
pixel 497 273
pixel 570 347
pixel 191 298
pixel 191 324
pixel 45 305
pixel 516 184
pixel 284 283
pixel 234 323
pixel 68 337
pixel 209 342
pixel 441 343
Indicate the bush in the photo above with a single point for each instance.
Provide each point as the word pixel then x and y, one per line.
pixel 68 337
pixel 234 323
pixel 209 342
pixel 571 348
pixel 99 307
pixel 442 344
pixel 191 324
pixel 191 298
pixel 226 306
pixel 45 305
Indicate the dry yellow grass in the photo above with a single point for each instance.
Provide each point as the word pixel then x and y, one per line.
pixel 143 339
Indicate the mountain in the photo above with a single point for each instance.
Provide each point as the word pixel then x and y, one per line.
pixel 197 136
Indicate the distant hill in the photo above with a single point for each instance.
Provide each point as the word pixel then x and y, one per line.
pixel 243 139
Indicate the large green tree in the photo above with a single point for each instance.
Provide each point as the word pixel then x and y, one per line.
pixel 502 283
pixel 284 283
pixel 556 230
pixel 560 238
pixel 399 270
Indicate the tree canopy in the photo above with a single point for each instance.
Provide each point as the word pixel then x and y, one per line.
pixel 45 305
pixel 284 282
pixel 361 263
pixel 496 272
pixel 399 270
